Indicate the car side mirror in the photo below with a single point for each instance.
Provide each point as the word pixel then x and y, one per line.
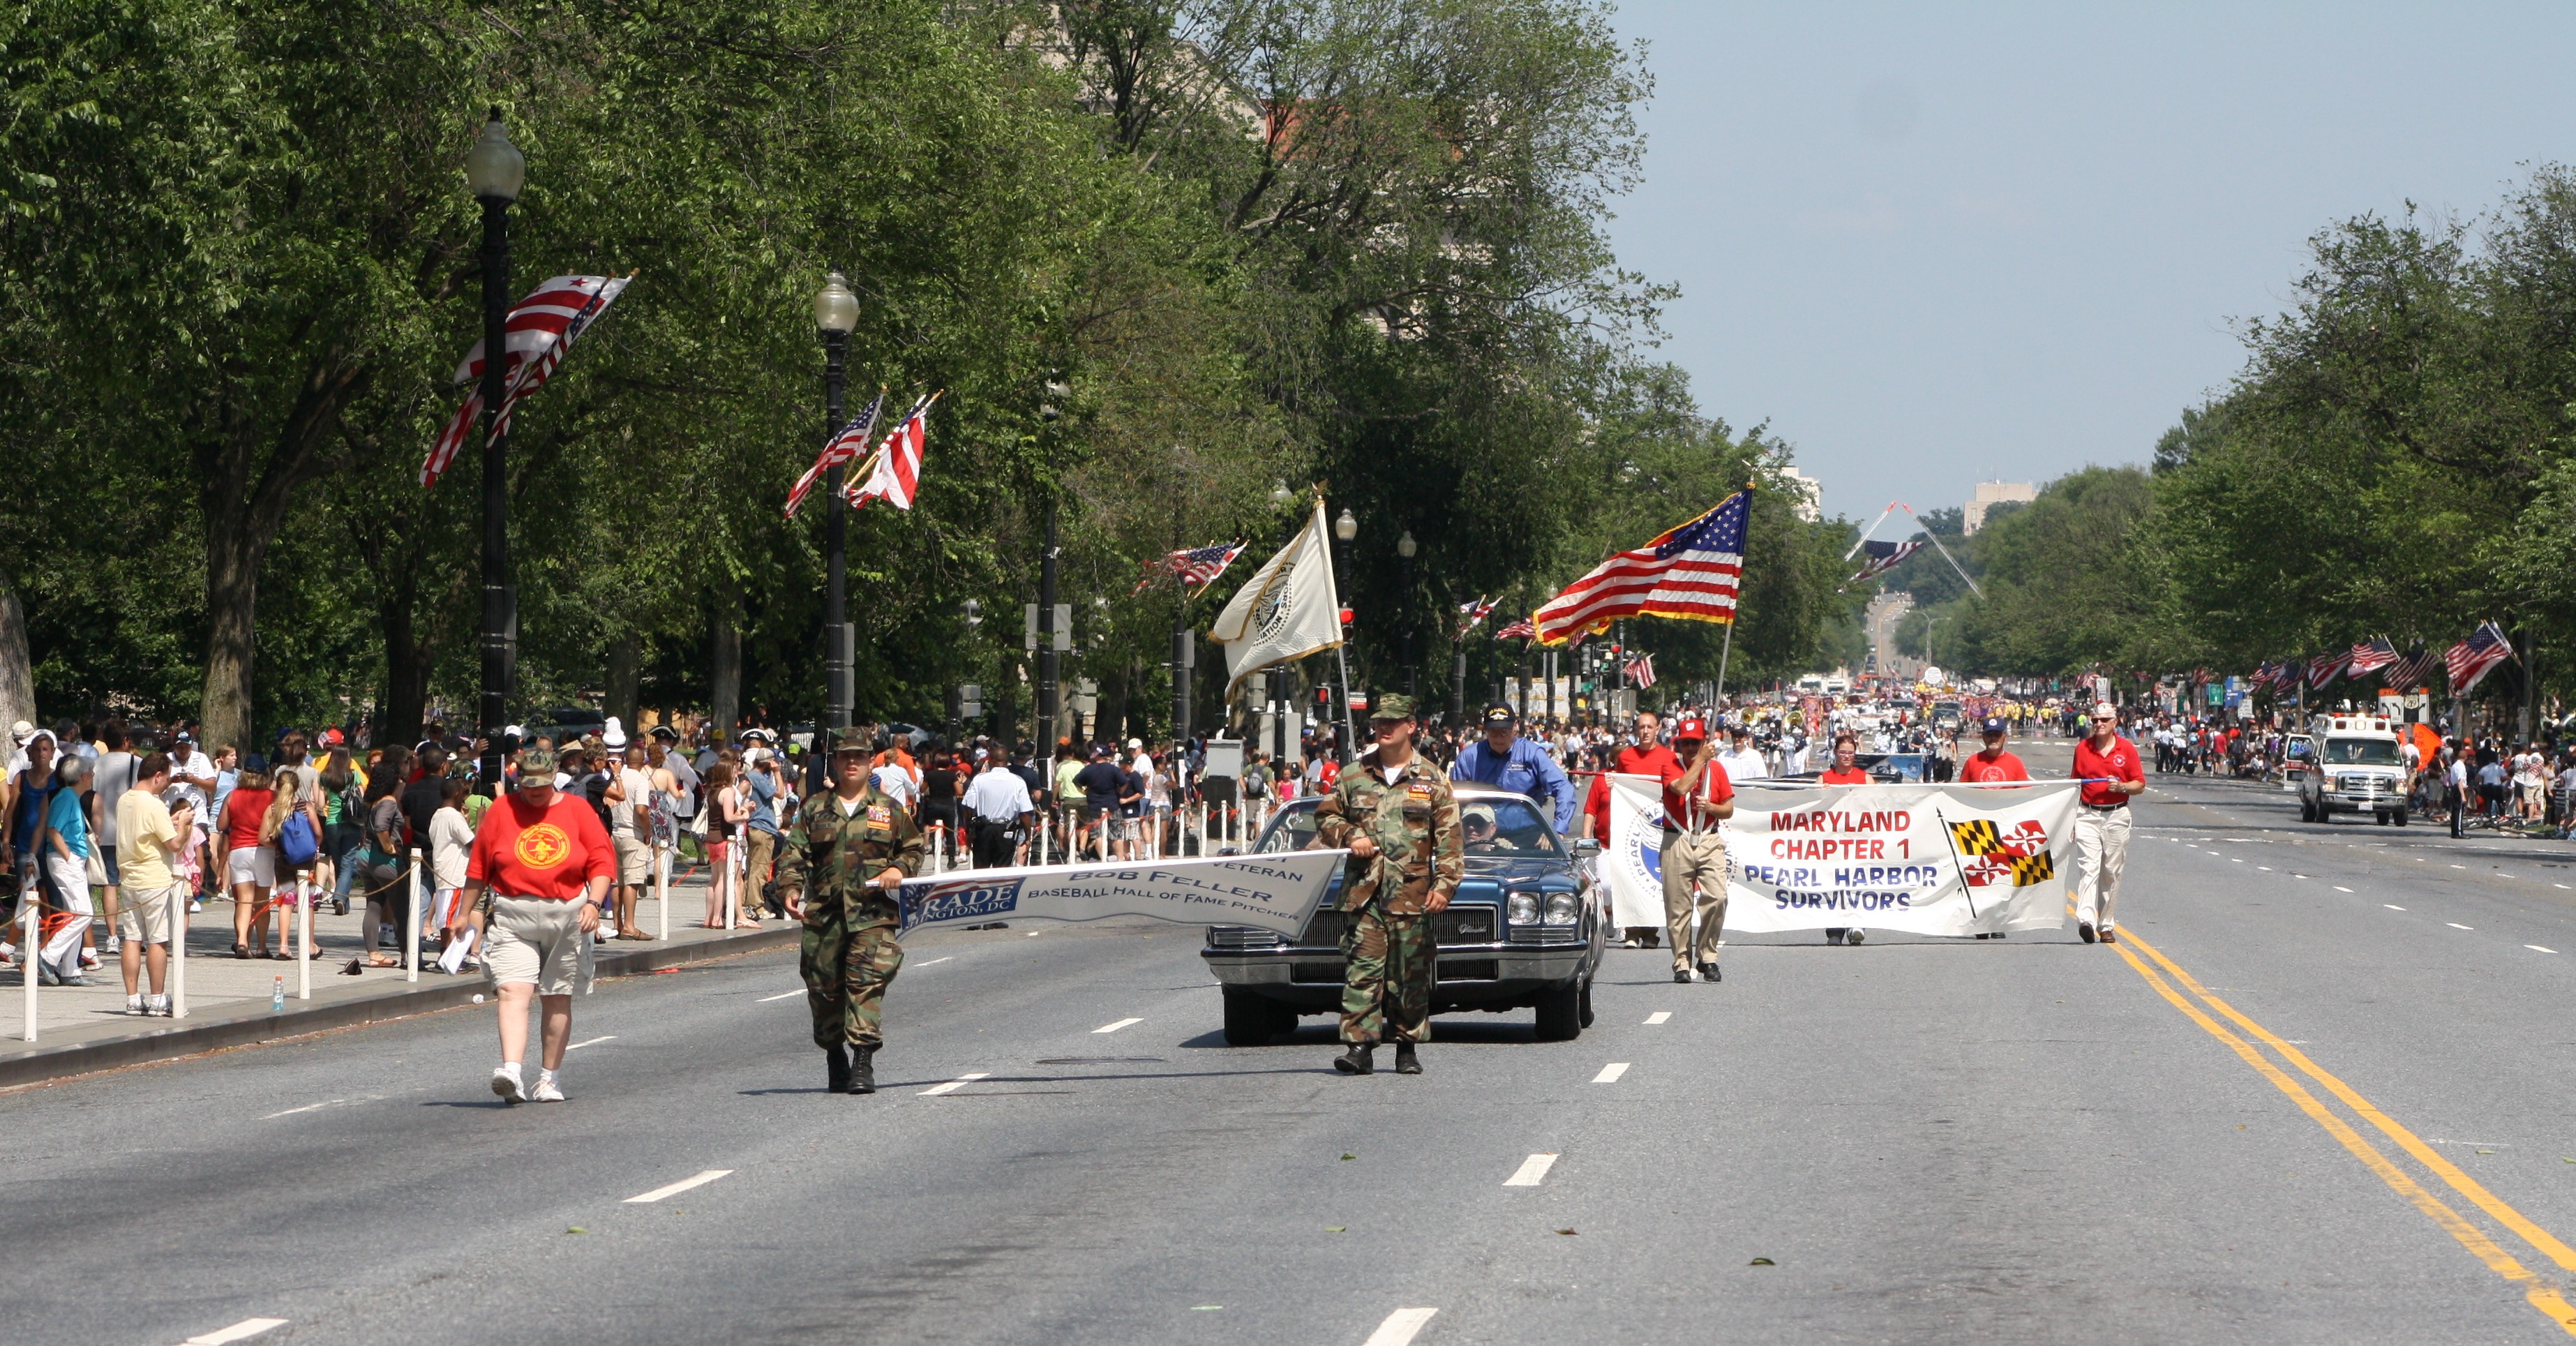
pixel 1586 849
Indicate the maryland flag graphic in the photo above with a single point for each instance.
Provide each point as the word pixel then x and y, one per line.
pixel 1987 856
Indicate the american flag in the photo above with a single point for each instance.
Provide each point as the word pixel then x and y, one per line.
pixel 2370 656
pixel 2262 675
pixel 1196 567
pixel 845 446
pixel 1641 670
pixel 2471 659
pixel 1690 572
pixel 1883 557
pixel 2323 669
pixel 896 469
pixel 539 330
pixel 1472 614
pixel 2413 669
pixel 1519 630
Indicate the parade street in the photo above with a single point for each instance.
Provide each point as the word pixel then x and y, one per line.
pixel 2318 1092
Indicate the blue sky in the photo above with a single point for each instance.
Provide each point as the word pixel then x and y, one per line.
pixel 1937 244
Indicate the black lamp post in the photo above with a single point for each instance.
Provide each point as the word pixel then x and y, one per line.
pixel 495 170
pixel 1405 547
pixel 1344 529
pixel 836 312
pixel 1050 663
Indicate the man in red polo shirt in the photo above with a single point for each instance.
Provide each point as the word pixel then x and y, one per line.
pixel 1647 756
pixel 547 863
pixel 1697 797
pixel 1993 764
pixel 2108 764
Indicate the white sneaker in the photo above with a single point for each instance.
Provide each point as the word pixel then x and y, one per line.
pixel 505 1082
pixel 546 1092
pixel 195 906
pixel 134 1004
pixel 157 1006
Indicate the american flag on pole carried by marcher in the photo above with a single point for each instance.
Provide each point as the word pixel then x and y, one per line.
pixel 845 446
pixel 1519 630
pixel 1472 614
pixel 2474 657
pixel 1195 567
pixel 895 471
pixel 539 330
pixel 1690 572
pixel 1641 670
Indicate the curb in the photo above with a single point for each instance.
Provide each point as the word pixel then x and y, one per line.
pixel 239 1030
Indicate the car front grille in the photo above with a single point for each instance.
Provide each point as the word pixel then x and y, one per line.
pixel 1547 936
pixel 1240 938
pixel 1470 969
pixel 1457 925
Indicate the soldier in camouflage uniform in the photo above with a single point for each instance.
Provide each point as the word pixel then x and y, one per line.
pixel 843 870
pixel 1393 809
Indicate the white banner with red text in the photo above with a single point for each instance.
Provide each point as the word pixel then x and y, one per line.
pixel 1927 859
pixel 1267 892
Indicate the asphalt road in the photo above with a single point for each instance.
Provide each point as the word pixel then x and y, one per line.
pixel 2321 1094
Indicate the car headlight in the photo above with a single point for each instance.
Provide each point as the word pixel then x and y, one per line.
pixel 1522 908
pixel 1563 909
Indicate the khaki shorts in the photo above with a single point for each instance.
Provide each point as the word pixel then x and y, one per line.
pixel 144 913
pixel 534 940
pixel 634 862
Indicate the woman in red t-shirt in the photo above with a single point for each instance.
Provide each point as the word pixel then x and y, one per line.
pixel 252 866
pixel 1845 771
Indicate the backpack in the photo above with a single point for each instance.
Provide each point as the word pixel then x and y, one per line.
pixel 295 841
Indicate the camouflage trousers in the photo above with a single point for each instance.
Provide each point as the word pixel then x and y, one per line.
pixel 1388 975
pixel 848 956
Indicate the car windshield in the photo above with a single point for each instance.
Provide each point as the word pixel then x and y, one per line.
pixel 2361 752
pixel 1492 826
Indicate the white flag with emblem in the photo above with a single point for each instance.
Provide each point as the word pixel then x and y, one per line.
pixel 1288 609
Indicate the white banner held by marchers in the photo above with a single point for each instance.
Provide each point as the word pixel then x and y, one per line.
pixel 1267 892
pixel 1925 859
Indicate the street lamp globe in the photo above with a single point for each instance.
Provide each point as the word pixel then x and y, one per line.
pixel 974 613
pixel 494 168
pixel 1347 526
pixel 1280 495
pixel 836 310
pixel 1405 545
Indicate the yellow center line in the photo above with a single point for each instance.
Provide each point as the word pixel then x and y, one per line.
pixel 2546 1243
pixel 2453 1223
pixel 2542 1297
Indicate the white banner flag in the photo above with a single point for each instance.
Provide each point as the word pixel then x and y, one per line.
pixel 1266 892
pixel 1287 610
pixel 1926 859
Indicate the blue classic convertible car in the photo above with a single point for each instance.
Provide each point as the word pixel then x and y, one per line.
pixel 1526 930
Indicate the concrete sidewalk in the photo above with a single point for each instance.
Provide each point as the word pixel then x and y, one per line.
pixel 85 1028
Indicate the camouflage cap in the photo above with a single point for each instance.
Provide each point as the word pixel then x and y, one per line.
pixel 536 765
pixel 1392 706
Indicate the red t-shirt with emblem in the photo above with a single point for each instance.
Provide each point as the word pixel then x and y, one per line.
pixel 1713 788
pixel 1975 769
pixel 525 851
pixel 2120 763
pixel 1654 760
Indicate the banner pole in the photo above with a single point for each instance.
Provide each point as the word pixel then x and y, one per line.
pixel 1952 838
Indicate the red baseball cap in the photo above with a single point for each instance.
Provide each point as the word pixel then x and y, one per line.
pixel 1690 729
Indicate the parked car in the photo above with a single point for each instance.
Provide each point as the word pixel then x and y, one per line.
pixel 1526 930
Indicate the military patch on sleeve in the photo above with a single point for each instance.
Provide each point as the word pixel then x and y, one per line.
pixel 1417 793
pixel 880 816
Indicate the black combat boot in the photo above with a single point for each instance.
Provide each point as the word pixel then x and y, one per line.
pixel 863 1071
pixel 1405 1061
pixel 1361 1059
pixel 836 1069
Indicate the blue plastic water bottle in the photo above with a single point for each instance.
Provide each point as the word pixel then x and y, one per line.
pixel 277 996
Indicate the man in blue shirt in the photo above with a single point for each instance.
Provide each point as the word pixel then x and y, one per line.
pixel 1515 763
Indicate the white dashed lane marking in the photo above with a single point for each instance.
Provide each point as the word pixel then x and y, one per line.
pixel 591 1043
pixel 1112 1028
pixel 1611 1073
pixel 780 996
pixel 2457 926
pixel 2535 948
pixel 1658 1016
pixel 676 1188
pixel 2392 906
pixel 958 1083
pixel 938 960
pixel 244 1330
pixel 2341 889
pixel 1531 1172
pixel 1399 1327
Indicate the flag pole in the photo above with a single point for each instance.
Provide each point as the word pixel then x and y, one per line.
pixel 1726 650
pixel 1863 539
pixel 1945 553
